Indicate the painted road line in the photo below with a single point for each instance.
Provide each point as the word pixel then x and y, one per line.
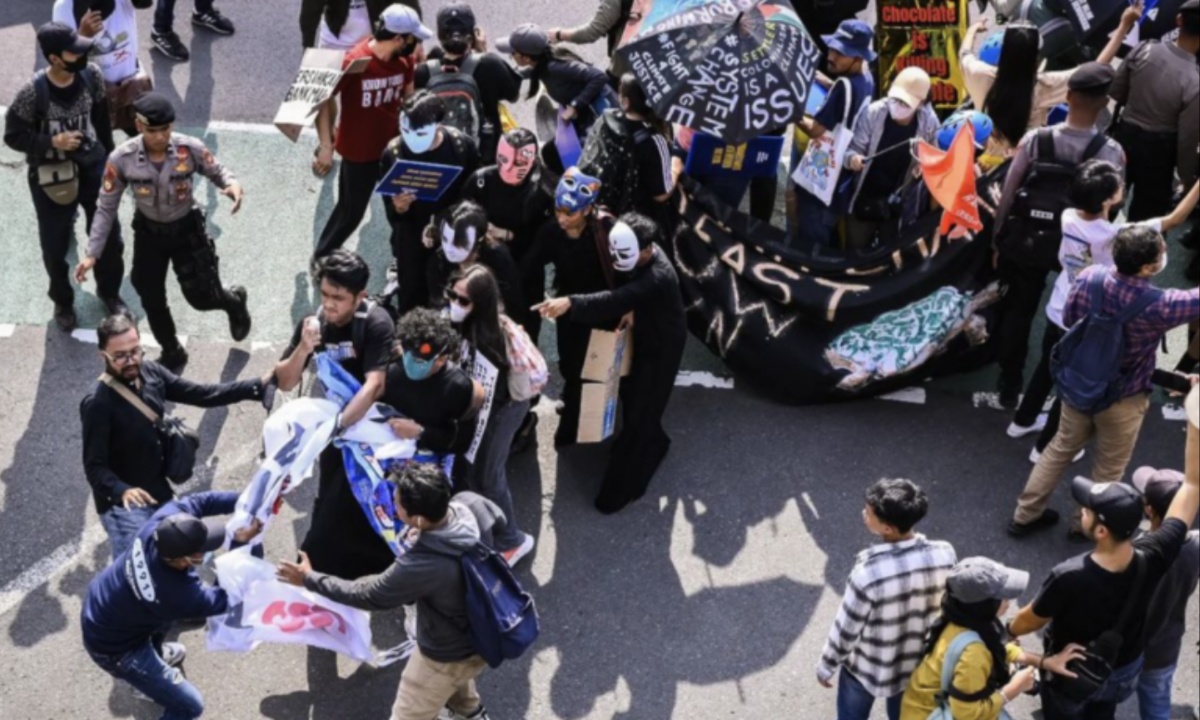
pixel 88 335
pixel 910 395
pixel 1174 413
pixel 215 126
pixel 7 330
pixel 690 378
pixel 48 567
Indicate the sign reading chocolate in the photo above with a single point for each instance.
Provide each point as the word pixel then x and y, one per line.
pixel 927 35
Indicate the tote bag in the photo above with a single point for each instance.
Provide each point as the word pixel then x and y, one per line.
pixel 821 165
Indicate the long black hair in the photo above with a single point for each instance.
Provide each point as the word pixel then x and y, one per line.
pixel 982 617
pixel 1010 101
pixel 481 329
pixel 632 91
pixel 541 62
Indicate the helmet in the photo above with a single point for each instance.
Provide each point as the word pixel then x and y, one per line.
pixel 982 124
pixel 990 51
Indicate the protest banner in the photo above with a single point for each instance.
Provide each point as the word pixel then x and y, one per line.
pixel 320 72
pixel 711 156
pixel 486 374
pixel 609 358
pixel 928 35
pixel 425 180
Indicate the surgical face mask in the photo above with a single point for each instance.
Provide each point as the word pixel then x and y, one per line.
pixel 458 313
pixel 454 253
pixel 416 368
pixel 418 139
pixel 623 246
pixel 900 111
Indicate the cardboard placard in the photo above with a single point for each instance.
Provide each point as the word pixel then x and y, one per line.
pixel 486 374
pixel 609 358
pixel 927 35
pixel 425 180
pixel 320 72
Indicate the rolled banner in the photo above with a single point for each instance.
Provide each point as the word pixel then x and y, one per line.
pixel 1192 465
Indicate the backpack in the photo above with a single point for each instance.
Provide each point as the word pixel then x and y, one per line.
pixel 1086 363
pixel 1032 232
pixel 949 666
pixel 610 154
pixel 527 370
pixel 358 328
pixel 459 91
pixel 502 616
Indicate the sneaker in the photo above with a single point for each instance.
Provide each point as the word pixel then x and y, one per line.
pixel 1020 431
pixel 174 359
pixel 173 653
pixel 239 315
pixel 116 306
pixel 169 44
pixel 518 553
pixel 213 20
pixel 64 317
pixel 1035 456
pixel 1048 520
pixel 448 714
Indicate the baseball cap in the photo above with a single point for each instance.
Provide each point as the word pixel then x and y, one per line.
pixel 977 579
pixel 403 20
pixel 911 86
pixel 1118 507
pixel 1092 77
pixel 527 39
pixel 56 39
pixel 180 535
pixel 154 109
pixel 852 39
pixel 457 18
pixel 1158 487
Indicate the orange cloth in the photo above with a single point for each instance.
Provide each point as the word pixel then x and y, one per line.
pixel 950 177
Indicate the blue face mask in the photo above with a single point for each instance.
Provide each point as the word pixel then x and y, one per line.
pixel 419 139
pixel 417 369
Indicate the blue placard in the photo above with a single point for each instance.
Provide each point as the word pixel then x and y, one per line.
pixel 711 156
pixel 816 98
pixel 425 180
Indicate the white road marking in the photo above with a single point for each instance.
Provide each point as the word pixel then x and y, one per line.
pixel 7 330
pixel 257 345
pixel 912 396
pixel 258 128
pixel 1174 413
pixel 87 335
pixel 47 568
pixel 688 378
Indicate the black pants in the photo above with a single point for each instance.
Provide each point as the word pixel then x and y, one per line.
pixel 356 186
pixel 1021 303
pixel 56 226
pixel 412 259
pixel 340 540
pixel 1150 172
pixel 572 352
pixel 1038 389
pixel 184 244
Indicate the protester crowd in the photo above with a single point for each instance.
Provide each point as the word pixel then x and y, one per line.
pixel 466 293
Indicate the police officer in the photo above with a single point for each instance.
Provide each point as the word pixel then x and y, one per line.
pixel 168 228
pixel 1160 87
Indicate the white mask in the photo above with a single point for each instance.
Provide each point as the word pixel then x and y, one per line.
pixel 900 111
pixel 623 246
pixel 418 139
pixel 453 252
pixel 458 313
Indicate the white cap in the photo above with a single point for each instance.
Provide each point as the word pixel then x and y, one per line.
pixel 403 20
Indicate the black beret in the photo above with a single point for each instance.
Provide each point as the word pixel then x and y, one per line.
pixel 1092 76
pixel 1191 6
pixel 154 110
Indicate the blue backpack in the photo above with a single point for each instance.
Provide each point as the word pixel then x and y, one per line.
pixel 1086 363
pixel 949 666
pixel 504 621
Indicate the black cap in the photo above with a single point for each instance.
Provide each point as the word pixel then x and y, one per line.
pixel 1190 6
pixel 180 535
pixel 56 39
pixel 1092 77
pixel 1159 487
pixel 1118 507
pixel 457 18
pixel 154 110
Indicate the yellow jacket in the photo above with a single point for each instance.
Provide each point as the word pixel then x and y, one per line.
pixel 971 676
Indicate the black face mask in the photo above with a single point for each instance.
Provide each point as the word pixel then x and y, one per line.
pixel 77 65
pixel 407 50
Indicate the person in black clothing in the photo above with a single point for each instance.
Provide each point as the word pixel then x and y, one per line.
pixel 463 42
pixel 511 196
pixel 423 138
pixel 647 288
pixel 651 152
pixel 573 243
pixel 358 334
pixel 122 451
pixel 59 120
pixel 1085 599
pixel 462 234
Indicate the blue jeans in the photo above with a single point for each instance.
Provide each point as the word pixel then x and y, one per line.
pixel 164 13
pixel 122 525
pixel 1154 693
pixel 855 703
pixel 146 672
pixel 1120 687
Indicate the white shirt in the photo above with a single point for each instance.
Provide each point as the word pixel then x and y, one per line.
pixel 1085 243
pixel 115 49
pixel 357 27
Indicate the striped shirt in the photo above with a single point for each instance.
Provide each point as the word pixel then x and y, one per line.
pixel 892 597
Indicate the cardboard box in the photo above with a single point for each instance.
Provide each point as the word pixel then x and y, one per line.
pixel 318 78
pixel 609 358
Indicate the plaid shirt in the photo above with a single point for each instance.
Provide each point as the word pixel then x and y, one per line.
pixel 892 597
pixel 1145 331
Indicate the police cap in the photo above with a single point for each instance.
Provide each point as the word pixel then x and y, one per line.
pixel 1191 6
pixel 1093 78
pixel 154 110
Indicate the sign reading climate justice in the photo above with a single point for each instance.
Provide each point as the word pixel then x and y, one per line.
pixel 425 180
pixel 928 35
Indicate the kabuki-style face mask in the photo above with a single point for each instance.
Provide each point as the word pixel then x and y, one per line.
pixel 417 139
pixel 623 246
pixel 576 191
pixel 458 252
pixel 515 162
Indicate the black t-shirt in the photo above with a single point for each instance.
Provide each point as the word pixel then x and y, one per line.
pixel 497 81
pixel 886 172
pixel 378 339
pixel 1084 600
pixel 437 403
pixel 455 150
pixel 653 157
pixel 519 209
pixel 576 261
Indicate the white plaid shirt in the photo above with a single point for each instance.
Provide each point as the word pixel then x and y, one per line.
pixel 892 597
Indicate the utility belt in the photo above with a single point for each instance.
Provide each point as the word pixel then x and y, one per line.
pixel 1141 135
pixel 192 223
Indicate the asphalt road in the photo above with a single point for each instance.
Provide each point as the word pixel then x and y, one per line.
pixel 710 599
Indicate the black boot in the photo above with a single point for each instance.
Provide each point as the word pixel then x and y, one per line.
pixel 239 315
pixel 174 358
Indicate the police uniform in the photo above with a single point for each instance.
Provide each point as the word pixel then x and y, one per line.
pixel 168 227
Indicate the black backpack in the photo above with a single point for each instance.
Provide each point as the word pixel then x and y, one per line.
pixel 1032 232
pixel 459 91
pixel 610 154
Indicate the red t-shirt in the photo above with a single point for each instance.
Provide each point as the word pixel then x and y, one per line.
pixel 370 105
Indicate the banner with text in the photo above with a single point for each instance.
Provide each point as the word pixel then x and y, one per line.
pixel 928 35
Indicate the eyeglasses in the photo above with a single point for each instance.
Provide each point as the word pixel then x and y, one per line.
pixel 124 358
pixel 460 300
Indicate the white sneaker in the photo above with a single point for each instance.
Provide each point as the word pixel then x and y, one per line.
pixel 518 553
pixel 480 714
pixel 173 653
pixel 1020 431
pixel 1034 456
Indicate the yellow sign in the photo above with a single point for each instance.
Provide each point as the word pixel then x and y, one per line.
pixel 928 35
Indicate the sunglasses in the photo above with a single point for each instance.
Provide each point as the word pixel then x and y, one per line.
pixel 460 300
pixel 124 358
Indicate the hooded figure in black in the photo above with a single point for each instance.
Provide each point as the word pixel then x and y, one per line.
pixel 648 290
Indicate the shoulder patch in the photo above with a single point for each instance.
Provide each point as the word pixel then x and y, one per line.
pixel 110 177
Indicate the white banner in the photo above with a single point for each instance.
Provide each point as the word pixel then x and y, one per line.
pixel 486 374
